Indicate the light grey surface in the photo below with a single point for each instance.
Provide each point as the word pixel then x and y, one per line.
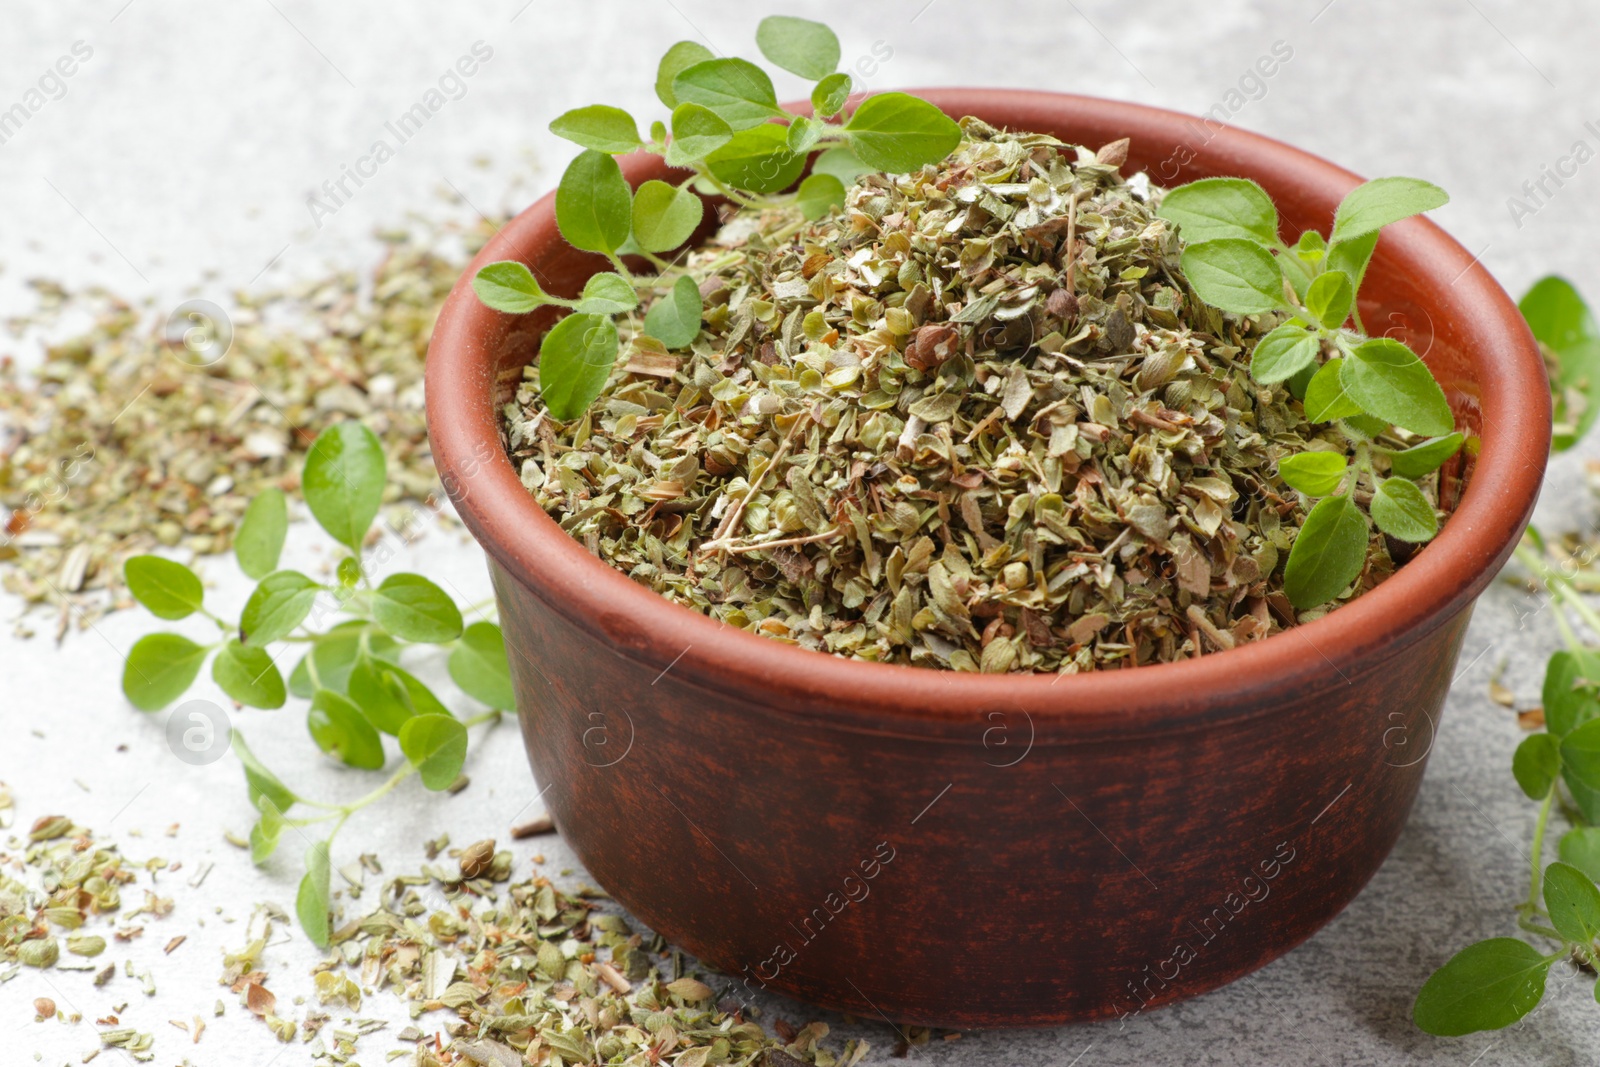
pixel 179 161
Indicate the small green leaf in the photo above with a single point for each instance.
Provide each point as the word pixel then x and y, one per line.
pixel 737 90
pixel 696 133
pixel 1485 986
pixel 819 194
pixel 1215 208
pixel 378 691
pixel 258 542
pixel 607 294
pixel 1311 248
pixel 1400 510
pixel 841 163
pixel 508 286
pixel 604 129
pixel 169 589
pixel 803 134
pixel 799 46
pixel 279 604
pixel 437 746
pixel 594 205
pixel 1581 848
pixel 1283 353
pixel 311 901
pixel 479 666
pixel 674 319
pixel 343 481
pixel 1329 297
pixel 247 674
pixel 1352 256
pixel 1563 324
pixel 679 58
pixel 1536 763
pixel 758 160
pixel 1313 473
pixel 159 668
pixel 1325 396
pixel 664 216
pixel 264 835
pixel 1388 380
pixel 340 730
pixel 1573 902
pixel 1375 204
pixel 1569 692
pixel 898 133
pixel 262 783
pixel 1426 457
pixel 1580 753
pixel 414 609
pixel 574 362
pixel 830 95
pixel 334 654
pixel 1234 274
pixel 1328 554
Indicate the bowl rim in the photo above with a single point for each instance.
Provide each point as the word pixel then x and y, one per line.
pixel 1439 583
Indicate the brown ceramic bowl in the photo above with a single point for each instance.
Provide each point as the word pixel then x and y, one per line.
pixel 984 851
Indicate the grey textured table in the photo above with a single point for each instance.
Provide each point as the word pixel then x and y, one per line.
pixel 178 159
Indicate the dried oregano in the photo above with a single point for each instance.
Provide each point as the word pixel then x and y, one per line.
pixel 988 422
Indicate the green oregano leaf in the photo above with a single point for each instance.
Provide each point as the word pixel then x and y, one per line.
pixel 898 133
pixel 1580 847
pixel 167 588
pixel 1351 257
pixel 437 746
pixel 1486 986
pixel 679 58
pixel 1373 205
pixel 478 664
pixel 1328 553
pixel 602 128
pixel 736 89
pixel 279 604
pixel 830 95
pixel 1563 324
pixel 263 785
pixel 258 542
pixel 1400 510
pixel 575 360
pixel 1215 208
pixel 1311 248
pixel 159 668
pixel 696 132
pixel 803 134
pixel 508 286
pixel 1580 753
pixel 1313 473
pixel 1325 398
pixel 664 216
pixel 311 901
pixel 841 163
pixel 819 194
pixel 1425 458
pixel 415 609
pixel 799 46
pixel 1569 691
pixel 343 481
pixel 1388 380
pixel 1573 902
pixel 334 655
pixel 1283 353
pixel 758 160
pixel 340 730
pixel 607 293
pixel 594 203
pixel 1329 298
pixel 1536 764
pixel 674 319
pixel 248 674
pixel 264 835
pixel 1234 274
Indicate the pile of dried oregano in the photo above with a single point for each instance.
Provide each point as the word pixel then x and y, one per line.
pixel 975 420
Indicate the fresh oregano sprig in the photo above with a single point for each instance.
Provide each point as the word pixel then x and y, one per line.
pixel 727 127
pixel 1235 260
pixel 350 674
pixel 1491 984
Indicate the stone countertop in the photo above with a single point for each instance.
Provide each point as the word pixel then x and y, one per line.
pixel 180 159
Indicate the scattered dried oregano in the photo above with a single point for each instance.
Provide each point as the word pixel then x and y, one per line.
pixel 977 419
